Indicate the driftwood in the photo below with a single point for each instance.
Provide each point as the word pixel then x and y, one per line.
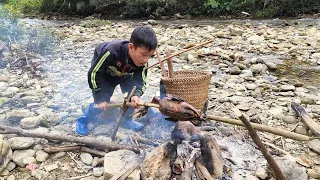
pixel 273 164
pixel 306 119
pixel 74 148
pixel 88 141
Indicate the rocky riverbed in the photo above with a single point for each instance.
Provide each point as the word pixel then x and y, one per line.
pixel 260 68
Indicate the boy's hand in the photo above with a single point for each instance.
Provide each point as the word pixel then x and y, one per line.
pixel 102 106
pixel 134 102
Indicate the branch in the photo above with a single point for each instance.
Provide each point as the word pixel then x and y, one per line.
pixel 273 164
pixel 89 141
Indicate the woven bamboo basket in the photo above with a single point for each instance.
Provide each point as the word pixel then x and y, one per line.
pixel 192 86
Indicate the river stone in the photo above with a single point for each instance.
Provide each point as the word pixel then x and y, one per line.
pixel 30 99
pixel 256 68
pixel 255 39
pixel 315 145
pixel 235 70
pixel 287 94
pixel 9 92
pixel 116 160
pixel 97 171
pixel 3 86
pixel 49 119
pixel 21 142
pixel 261 173
pixel 289 119
pixel 11 165
pixel 5 153
pixel 163 40
pixel 19 155
pixel 290 169
pixel 3 100
pixel 86 158
pixel 17 115
pixel 301 130
pixel 41 156
pixel 313 173
pixel 287 88
pixel 30 122
pixel 29 160
pixel 44 110
pixel 251 86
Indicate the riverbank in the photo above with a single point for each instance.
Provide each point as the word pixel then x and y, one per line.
pixel 247 57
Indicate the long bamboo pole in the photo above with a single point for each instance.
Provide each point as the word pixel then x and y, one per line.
pixel 183 51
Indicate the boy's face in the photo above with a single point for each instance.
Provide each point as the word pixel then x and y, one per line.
pixel 140 55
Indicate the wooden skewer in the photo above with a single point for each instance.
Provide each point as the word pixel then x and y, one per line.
pixel 176 54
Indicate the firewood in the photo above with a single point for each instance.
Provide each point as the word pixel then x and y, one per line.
pixel 202 171
pixel 211 156
pixel 273 164
pixel 89 141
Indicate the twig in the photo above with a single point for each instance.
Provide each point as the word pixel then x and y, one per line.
pixel 273 164
pixel 76 162
pixel 282 142
pixel 48 173
pixel 80 177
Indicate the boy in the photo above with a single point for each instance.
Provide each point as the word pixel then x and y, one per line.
pixel 119 62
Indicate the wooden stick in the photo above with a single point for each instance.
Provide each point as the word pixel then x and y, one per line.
pixel 183 51
pixel 89 141
pixel 163 71
pixel 74 148
pixel 124 110
pixel 306 119
pixel 170 65
pixel 261 127
pixel 273 164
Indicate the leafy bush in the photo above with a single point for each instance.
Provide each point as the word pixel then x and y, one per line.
pixel 24 6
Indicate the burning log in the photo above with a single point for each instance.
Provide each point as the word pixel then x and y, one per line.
pixel 191 152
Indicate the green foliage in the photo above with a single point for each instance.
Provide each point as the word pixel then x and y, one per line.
pixel 94 23
pixel 144 8
pixel 24 6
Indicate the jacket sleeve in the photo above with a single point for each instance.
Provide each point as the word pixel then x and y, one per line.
pixel 94 75
pixel 140 80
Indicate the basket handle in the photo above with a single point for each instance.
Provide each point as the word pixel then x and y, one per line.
pixel 170 65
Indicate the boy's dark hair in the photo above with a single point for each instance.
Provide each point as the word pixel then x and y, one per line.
pixel 144 36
